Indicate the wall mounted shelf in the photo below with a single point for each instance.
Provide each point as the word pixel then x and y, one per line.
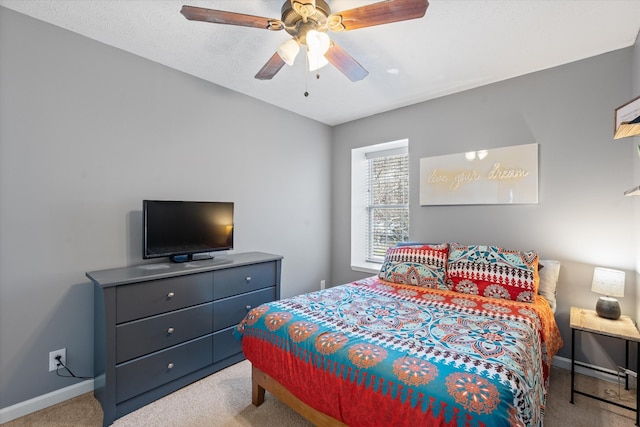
pixel 627 119
pixel 633 191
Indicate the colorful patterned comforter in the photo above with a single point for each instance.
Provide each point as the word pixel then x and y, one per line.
pixel 374 353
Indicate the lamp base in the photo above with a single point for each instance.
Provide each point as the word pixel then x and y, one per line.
pixel 608 307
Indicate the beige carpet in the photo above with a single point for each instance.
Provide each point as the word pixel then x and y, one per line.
pixel 224 400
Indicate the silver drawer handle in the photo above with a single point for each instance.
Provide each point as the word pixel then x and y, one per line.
pixel 248 279
pixel 170 295
pixel 170 366
pixel 170 330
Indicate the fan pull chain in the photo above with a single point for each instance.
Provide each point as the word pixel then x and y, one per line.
pixel 306 73
pixel 306 77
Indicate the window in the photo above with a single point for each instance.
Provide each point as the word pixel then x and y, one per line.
pixel 379 202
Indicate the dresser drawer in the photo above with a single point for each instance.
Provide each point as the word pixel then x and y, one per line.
pixel 231 311
pixel 139 337
pixel 163 295
pixel 225 344
pixel 144 374
pixel 234 281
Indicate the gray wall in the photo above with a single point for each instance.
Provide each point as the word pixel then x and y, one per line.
pixel 86 133
pixel 581 218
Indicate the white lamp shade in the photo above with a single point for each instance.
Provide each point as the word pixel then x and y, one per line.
pixel 316 61
pixel 288 51
pixel 318 42
pixel 608 282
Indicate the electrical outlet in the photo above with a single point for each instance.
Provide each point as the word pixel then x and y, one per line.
pixel 53 363
pixel 322 284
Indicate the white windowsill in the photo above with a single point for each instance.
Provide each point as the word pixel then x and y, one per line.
pixel 367 267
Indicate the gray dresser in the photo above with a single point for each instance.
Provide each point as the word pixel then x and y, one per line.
pixel 159 327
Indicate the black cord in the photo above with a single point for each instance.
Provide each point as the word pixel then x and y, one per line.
pixel 58 359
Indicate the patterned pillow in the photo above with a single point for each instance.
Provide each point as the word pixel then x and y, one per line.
pixel 492 271
pixel 420 265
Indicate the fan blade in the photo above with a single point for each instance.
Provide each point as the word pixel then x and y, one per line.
pixel 380 13
pixel 345 63
pixel 271 68
pixel 222 17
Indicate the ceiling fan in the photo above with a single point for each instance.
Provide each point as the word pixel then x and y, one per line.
pixel 307 21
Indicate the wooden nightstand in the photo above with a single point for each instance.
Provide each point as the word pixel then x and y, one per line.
pixel 624 328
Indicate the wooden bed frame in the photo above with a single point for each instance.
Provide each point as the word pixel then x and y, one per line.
pixel 261 382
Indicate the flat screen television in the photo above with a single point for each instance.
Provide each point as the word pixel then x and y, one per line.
pixel 186 230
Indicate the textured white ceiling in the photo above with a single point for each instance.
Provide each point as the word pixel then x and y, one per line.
pixel 458 45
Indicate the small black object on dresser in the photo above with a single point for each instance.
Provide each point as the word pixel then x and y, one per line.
pixel 160 327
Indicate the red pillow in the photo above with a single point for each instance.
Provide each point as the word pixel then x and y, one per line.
pixel 494 272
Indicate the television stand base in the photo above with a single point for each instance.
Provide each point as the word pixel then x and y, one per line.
pixel 190 257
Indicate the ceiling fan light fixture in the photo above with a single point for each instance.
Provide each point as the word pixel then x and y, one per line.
pixel 316 60
pixel 302 19
pixel 288 51
pixel 318 42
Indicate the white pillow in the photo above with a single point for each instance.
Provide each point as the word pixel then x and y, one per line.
pixel 549 281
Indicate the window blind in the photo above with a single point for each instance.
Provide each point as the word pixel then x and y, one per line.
pixel 387 201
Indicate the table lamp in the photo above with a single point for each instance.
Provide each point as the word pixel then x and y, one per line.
pixel 610 283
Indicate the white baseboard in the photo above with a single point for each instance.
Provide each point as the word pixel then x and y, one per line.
pixel 41 402
pixel 610 375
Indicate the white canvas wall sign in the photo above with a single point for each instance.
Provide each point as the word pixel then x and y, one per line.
pixel 507 175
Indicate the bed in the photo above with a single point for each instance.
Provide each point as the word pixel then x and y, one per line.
pixel 426 352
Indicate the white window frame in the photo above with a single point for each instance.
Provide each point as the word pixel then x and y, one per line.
pixel 359 189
